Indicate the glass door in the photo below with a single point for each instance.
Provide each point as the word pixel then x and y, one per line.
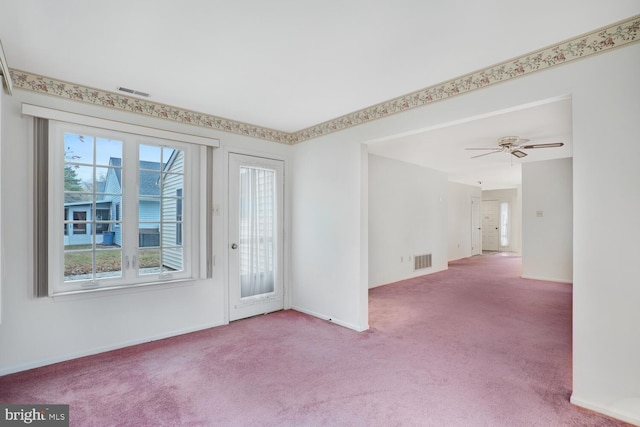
pixel 255 236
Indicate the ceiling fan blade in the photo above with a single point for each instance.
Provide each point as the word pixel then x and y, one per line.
pixel 519 154
pixel 552 145
pixel 486 154
pixel 485 148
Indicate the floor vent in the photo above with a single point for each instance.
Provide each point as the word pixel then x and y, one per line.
pixel 421 261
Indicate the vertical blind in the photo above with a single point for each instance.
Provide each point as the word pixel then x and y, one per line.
pixel 41 206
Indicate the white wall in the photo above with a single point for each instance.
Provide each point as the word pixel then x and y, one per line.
pixel 459 219
pixel 329 234
pixel 510 195
pixel 36 332
pixel 329 217
pixel 606 337
pixel 547 252
pixel 606 205
pixel 606 202
pixel 407 217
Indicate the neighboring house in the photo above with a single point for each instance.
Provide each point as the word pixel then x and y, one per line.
pixel 79 233
pixel 172 193
pixel 109 208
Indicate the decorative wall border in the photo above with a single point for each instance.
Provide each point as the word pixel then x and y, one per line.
pixel 598 41
pixel 604 39
pixel 75 92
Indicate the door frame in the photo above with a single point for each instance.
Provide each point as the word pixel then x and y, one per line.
pixel 223 203
pixel 477 231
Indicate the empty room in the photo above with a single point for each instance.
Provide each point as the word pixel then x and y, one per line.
pixel 319 213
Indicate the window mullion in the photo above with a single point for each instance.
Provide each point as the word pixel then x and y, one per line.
pixel 130 172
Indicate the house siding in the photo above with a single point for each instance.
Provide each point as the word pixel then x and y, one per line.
pixel 86 238
pixel 173 180
pixel 149 213
pixel 113 193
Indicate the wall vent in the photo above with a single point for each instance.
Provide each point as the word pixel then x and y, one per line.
pixel 421 261
pixel 132 91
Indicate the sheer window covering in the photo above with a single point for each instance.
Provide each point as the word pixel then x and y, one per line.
pixel 257 231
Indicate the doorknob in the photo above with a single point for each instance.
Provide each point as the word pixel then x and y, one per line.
pixel 234 246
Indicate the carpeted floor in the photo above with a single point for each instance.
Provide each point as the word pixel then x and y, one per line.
pixel 471 346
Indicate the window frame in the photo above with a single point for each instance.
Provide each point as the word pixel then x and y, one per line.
pixel 126 210
pixel 179 214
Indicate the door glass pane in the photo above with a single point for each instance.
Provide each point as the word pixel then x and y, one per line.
pixel 257 245
pixel 504 224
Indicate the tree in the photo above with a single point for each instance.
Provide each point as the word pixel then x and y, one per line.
pixel 72 182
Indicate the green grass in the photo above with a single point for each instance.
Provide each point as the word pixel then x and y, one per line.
pixel 107 260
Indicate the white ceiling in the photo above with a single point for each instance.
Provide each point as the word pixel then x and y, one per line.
pixel 288 64
pixel 443 148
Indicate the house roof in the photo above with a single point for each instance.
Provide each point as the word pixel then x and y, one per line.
pixel 149 175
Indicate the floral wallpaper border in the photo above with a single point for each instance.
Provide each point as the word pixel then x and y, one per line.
pixel 75 92
pixel 613 36
pixel 599 41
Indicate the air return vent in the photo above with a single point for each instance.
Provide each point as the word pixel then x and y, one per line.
pixel 133 92
pixel 421 261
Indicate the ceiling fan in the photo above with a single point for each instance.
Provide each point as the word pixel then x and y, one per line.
pixel 513 145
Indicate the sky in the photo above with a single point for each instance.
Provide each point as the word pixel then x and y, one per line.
pixel 81 149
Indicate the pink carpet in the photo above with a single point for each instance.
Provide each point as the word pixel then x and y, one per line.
pixel 472 346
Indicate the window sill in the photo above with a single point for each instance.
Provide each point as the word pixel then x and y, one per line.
pixel 121 290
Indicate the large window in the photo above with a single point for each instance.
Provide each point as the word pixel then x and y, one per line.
pixel 126 207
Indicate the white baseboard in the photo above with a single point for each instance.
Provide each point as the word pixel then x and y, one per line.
pixel 331 319
pixel 547 279
pixel 411 275
pixel 98 350
pixel 616 413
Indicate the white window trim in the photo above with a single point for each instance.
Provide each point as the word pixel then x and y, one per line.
pixel 199 229
pixel 130 274
pixel 112 125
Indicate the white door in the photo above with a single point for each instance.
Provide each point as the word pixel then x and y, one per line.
pixel 490 225
pixel 476 229
pixel 255 236
pixel 505 226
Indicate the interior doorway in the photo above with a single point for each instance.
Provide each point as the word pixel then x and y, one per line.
pixel 491 225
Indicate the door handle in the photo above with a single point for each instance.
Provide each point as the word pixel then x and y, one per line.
pixel 234 246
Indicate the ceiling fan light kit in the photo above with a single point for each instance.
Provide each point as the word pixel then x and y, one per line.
pixel 513 145
pixel 508 141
